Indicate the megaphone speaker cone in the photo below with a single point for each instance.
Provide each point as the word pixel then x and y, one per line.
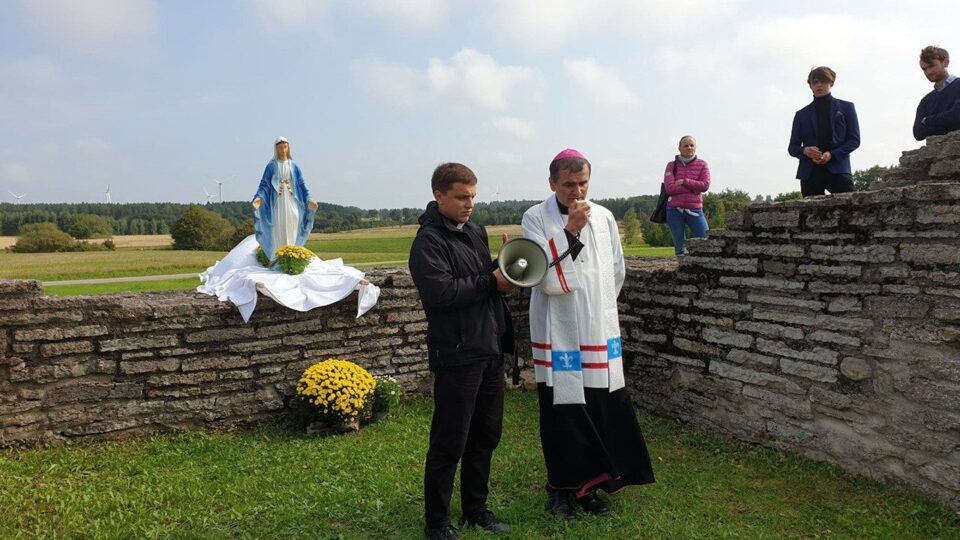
pixel 518 269
pixel 523 262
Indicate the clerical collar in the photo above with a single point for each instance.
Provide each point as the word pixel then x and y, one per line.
pixel 563 209
pixel 453 223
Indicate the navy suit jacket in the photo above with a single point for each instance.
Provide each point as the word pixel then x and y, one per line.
pixel 846 137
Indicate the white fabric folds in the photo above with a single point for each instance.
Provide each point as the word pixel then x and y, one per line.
pixel 238 276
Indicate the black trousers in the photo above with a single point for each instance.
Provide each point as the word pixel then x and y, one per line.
pixel 822 179
pixel 466 428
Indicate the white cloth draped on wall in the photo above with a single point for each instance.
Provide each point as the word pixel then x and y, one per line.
pixel 238 276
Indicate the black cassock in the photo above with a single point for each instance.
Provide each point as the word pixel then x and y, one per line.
pixel 598 445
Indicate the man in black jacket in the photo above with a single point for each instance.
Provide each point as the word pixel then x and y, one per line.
pixel 468 329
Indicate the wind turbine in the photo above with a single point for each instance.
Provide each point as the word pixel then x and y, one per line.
pixel 107 193
pixel 17 197
pixel 209 196
pixel 220 188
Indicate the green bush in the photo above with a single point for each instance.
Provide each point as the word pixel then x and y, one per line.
pixel 656 234
pixel 631 227
pixel 42 238
pixel 89 226
pixel 387 395
pixel 80 245
pixel 242 231
pixel 201 229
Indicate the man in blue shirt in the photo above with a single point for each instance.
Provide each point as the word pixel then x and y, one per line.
pixel 939 111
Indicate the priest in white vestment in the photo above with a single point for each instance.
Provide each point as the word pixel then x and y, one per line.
pixel 588 427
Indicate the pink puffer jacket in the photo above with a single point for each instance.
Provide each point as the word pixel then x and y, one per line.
pixel 696 181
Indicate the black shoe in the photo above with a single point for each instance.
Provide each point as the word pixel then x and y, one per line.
pixel 447 532
pixel 559 504
pixel 486 520
pixel 593 504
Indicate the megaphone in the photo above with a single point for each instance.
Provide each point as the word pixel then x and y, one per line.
pixel 523 262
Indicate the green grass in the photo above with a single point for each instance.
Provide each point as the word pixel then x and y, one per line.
pixel 129 286
pixel 275 482
pixel 377 249
pixel 103 264
pixel 648 251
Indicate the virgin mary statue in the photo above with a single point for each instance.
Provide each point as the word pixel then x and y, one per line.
pixel 283 215
pixel 283 211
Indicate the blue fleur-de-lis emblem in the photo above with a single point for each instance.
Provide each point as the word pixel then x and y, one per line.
pixel 566 360
pixel 614 348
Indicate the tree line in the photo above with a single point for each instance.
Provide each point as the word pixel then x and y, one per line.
pixel 96 220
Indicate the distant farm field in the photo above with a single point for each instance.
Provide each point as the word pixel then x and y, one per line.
pixel 151 255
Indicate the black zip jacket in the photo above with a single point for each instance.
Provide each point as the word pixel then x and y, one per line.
pixel 467 319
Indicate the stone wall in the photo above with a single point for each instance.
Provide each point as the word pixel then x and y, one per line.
pixel 121 364
pixel 828 327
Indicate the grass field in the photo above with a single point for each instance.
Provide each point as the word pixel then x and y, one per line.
pixel 275 482
pixel 151 255
pixel 126 286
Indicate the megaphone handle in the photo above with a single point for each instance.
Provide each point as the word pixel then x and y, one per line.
pixel 516 340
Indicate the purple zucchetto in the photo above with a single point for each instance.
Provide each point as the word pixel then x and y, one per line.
pixel 569 153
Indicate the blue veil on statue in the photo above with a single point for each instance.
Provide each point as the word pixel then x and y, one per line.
pixel 283 211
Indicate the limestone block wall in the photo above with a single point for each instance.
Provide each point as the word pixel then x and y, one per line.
pixel 122 364
pixel 828 327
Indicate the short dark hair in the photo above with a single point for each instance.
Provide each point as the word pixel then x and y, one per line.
pixel 448 174
pixel 572 164
pixel 822 74
pixel 931 52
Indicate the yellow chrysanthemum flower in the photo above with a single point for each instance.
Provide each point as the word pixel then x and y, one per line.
pixel 338 389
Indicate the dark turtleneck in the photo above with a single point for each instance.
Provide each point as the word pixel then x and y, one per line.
pixel 824 128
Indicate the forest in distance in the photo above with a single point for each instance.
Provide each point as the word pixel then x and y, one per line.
pixel 147 218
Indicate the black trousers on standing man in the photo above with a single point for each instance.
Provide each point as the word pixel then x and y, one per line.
pixel 466 428
pixel 822 180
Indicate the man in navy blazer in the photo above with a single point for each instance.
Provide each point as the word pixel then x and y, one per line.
pixel 824 134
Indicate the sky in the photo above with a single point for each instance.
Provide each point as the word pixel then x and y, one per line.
pixel 160 99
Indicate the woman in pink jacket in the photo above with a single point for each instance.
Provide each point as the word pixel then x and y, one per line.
pixel 686 179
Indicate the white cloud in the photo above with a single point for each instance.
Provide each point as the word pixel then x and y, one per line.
pixel 539 24
pixel 296 14
pixel 507 158
pixel 602 85
pixel 475 78
pixel 515 126
pixel 16 174
pixel 93 22
pixel 891 43
pixel 33 74
pixel 93 146
pixel 775 99
pixel 395 84
pixel 407 14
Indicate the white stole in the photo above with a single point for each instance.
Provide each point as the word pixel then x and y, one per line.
pixel 575 329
